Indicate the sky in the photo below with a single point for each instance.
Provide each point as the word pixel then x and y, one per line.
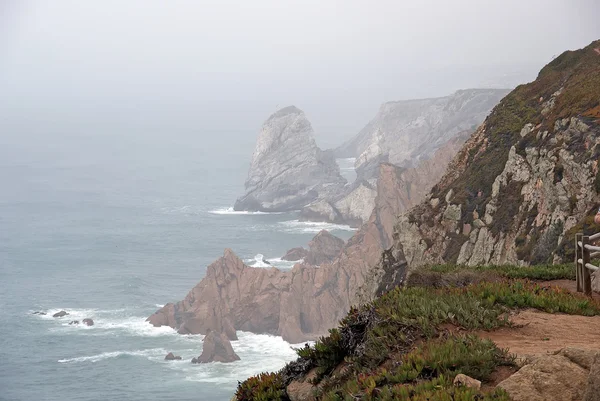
pixel 226 65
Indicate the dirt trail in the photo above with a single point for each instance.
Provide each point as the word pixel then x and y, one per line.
pixel 538 332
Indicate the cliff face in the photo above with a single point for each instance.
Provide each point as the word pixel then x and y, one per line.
pixel 406 132
pixel 414 184
pixel 288 170
pixel 300 304
pixel 525 182
pixel 420 135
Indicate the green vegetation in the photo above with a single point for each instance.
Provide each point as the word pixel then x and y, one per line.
pixel 264 387
pixel 399 346
pixel 534 272
pixel 437 359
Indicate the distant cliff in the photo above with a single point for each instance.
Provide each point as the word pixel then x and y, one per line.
pixel 405 132
pixel 421 135
pixel 288 170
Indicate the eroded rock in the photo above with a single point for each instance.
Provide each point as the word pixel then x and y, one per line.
pixel 323 248
pixel 548 378
pixel 288 171
pixel 216 348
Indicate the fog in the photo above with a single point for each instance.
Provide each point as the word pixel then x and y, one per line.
pixel 220 66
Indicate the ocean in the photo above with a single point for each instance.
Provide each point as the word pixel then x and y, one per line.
pixel 109 225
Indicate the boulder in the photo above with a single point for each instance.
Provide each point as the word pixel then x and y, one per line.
pixel 323 248
pixel 88 322
pixel 171 357
pixel 592 391
pixel 295 254
pixel 216 348
pixel 288 171
pixel 547 378
pixel 74 322
pixel 60 314
pixel 467 381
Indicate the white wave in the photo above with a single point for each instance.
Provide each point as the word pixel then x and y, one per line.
pixel 257 352
pixel 186 209
pixel 283 264
pixel 346 160
pixel 76 313
pixel 148 353
pixel 106 322
pixel 258 261
pixel 297 226
pixel 229 210
pixel 159 305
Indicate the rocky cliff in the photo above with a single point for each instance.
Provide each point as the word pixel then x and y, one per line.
pixel 525 182
pixel 421 135
pixel 405 132
pixel 299 304
pixel 288 170
pixel 356 205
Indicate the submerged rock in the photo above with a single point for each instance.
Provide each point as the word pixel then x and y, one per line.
pixel 216 348
pixel 288 170
pixel 171 357
pixel 39 313
pixel 74 322
pixel 88 322
pixel 60 314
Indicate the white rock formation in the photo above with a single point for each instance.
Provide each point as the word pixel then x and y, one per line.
pixel 288 170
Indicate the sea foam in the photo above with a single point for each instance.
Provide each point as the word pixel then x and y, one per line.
pixel 297 226
pixel 230 211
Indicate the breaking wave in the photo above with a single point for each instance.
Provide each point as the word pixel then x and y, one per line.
pixel 297 226
pixel 229 210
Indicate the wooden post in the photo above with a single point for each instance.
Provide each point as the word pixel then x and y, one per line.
pixel 578 255
pixel 587 278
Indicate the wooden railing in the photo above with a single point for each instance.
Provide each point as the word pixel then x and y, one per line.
pixel 584 252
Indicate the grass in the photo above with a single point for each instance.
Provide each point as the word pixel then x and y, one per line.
pixel 397 348
pixel 534 272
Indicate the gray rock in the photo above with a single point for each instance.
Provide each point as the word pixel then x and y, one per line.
pixel 60 314
pixel 288 170
pixel 171 357
pixel 88 322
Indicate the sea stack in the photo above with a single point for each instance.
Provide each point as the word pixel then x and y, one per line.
pixel 288 170
pixel 216 348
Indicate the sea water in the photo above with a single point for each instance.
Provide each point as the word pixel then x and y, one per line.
pixel 109 225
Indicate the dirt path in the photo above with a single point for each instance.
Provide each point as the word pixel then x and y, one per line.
pixel 539 333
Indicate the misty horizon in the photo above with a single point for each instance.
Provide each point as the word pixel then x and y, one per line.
pixel 227 66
